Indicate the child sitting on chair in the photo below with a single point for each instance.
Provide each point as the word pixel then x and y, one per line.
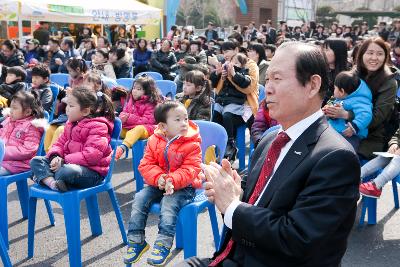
pixel 170 166
pixel 21 131
pixel 41 84
pixel 14 82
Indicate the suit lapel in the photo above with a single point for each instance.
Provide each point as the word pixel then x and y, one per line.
pixel 296 154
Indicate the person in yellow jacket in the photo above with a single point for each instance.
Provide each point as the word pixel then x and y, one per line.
pixel 236 88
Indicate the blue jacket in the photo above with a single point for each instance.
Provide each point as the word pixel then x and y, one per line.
pixel 360 103
pixel 141 58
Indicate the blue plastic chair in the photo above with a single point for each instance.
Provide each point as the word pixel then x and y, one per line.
pixel 62 79
pixel 241 134
pixel 4 253
pixel 369 204
pixel 70 203
pixel 186 231
pixel 21 180
pixel 3 248
pixel 127 83
pixel 167 88
pixel 155 75
pixel 54 91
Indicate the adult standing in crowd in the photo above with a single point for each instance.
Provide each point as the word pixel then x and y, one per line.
pixel 164 61
pixel 335 50
pixel 141 57
pixel 256 52
pixel 373 67
pixel 211 33
pixel 299 197
pixel 42 33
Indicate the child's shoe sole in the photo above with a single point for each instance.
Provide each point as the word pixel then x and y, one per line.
pixel 162 263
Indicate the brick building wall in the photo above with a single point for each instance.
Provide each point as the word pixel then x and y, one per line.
pixel 258 11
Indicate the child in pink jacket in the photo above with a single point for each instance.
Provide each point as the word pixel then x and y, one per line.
pixel 21 132
pixel 138 114
pixel 81 156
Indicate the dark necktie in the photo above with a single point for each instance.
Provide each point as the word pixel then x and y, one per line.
pixel 268 166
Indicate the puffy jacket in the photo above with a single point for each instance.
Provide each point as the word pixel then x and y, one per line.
pixel 139 112
pixel 105 69
pixel 22 139
pixel 262 122
pixel 16 59
pixel 122 67
pixel 178 158
pixel 85 143
pixel 8 90
pixel 163 63
pixel 360 103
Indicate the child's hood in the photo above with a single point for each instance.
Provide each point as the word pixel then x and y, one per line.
pixel 193 134
pixel 361 91
pixel 90 122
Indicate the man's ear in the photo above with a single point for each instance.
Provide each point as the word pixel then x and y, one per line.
pixel 315 85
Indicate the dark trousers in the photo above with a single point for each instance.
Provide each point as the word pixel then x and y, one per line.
pixel 230 122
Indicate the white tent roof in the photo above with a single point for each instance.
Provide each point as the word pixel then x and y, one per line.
pixel 81 11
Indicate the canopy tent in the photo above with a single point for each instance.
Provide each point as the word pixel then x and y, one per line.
pixel 81 11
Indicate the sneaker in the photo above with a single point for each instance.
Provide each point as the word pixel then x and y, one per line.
pixel 369 189
pixel 135 252
pixel 118 154
pixel 61 186
pixel 159 255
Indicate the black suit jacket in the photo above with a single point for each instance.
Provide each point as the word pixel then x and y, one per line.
pixel 308 209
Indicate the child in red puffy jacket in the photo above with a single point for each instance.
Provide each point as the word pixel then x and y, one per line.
pixel 21 131
pixel 170 167
pixel 81 156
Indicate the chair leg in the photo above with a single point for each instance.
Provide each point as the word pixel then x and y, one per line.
pixel 31 226
pixel 4 214
pixel 23 194
pixel 118 214
pixel 395 193
pixel 363 212
pixel 241 144
pixel 50 212
pixel 214 225
pixel 4 254
pixel 179 235
pixel 72 226
pixel 189 232
pixel 137 155
pixel 94 215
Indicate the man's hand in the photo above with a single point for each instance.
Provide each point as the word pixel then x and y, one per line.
pixel 223 184
pixel 161 182
pixel 56 164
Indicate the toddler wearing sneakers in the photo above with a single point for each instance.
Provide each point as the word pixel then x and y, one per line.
pixel 390 165
pixel 170 167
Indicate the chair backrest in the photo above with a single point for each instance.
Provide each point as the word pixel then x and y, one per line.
pixel 114 137
pixel 62 79
pixel 212 134
pixel 127 83
pixel 88 63
pixel 167 88
pixel 155 75
pixel 261 93
pixel 55 91
pixel 40 151
pixel 2 150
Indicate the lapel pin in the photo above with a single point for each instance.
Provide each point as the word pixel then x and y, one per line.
pixel 297 152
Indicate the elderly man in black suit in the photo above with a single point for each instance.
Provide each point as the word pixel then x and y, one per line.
pixel 299 201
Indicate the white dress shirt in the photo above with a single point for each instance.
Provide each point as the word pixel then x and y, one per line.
pixel 293 132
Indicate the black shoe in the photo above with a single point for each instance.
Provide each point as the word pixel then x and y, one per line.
pixel 231 151
pixel 62 186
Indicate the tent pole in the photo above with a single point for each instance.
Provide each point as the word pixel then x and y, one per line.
pixel 20 34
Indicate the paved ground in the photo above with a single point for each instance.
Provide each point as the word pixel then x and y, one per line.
pixel 371 245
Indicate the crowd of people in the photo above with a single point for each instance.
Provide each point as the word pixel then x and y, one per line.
pixel 217 80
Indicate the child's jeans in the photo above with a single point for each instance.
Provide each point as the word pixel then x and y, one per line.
pixel 133 135
pixel 73 175
pixel 391 169
pixel 170 207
